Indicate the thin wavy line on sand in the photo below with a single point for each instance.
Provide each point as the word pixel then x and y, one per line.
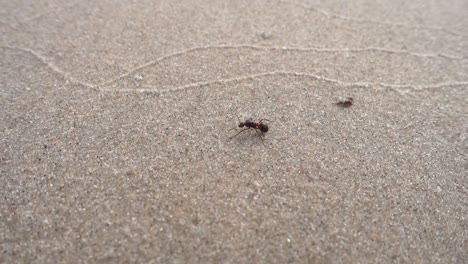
pixel 346 18
pixel 396 87
pixel 43 60
pixel 299 49
pixel 69 78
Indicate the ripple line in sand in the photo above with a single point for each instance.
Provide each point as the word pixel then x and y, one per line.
pixel 298 49
pixel 43 60
pixel 71 79
pixel 396 87
pixel 359 20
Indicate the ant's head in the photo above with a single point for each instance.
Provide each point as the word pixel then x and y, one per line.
pixel 241 124
pixel 264 127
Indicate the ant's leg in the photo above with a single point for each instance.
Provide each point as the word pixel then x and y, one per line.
pixel 262 136
pixel 238 123
pixel 239 133
pixel 259 134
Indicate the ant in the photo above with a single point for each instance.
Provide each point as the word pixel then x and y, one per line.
pixel 249 124
pixel 346 103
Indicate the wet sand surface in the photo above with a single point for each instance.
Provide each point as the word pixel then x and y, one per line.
pixel 116 117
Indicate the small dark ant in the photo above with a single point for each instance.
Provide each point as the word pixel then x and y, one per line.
pixel 347 103
pixel 258 126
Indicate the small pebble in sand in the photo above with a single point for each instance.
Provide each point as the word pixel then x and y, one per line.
pixel 346 103
pixel 266 35
pixel 138 77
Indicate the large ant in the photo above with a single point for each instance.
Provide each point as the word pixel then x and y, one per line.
pixel 249 124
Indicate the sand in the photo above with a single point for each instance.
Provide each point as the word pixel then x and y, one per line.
pixel 116 115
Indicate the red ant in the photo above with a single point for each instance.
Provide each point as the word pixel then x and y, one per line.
pixel 249 124
pixel 346 103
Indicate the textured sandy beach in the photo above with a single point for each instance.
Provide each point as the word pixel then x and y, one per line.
pixel 115 119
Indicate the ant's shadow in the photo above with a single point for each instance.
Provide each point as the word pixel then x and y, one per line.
pixel 249 136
